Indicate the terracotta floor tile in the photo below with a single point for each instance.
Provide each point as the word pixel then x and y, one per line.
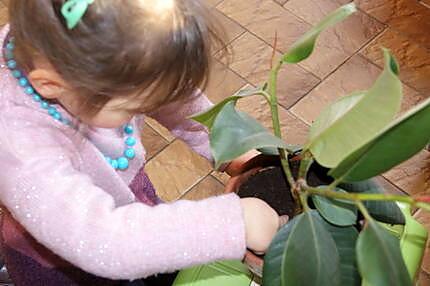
pixel 222 82
pixel 222 177
pixel 152 141
pixel 160 129
pixel 232 29
pixel 407 16
pixel 337 44
pixel 4 16
pixel 414 60
pixel 423 279
pixel 182 168
pixel 208 187
pixel 264 18
pixel 294 131
pixel 356 74
pixel 413 176
pixel 388 186
pixel 252 60
pixel 281 2
pixel 213 2
pixel 424 218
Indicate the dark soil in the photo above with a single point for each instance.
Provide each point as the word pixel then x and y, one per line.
pixel 270 185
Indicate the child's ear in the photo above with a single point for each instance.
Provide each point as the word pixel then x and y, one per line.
pixel 47 83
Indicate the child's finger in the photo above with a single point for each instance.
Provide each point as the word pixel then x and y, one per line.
pixel 283 220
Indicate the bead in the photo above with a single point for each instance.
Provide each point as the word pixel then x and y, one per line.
pixel 9 55
pixel 128 129
pixel 57 116
pixel 130 141
pixel 10 46
pixel 44 104
pixel 65 121
pixel 16 73
pixel 122 163
pixel 114 164
pixel 129 153
pixel 29 90
pixel 37 98
pixel 11 64
pixel 52 111
pixel 23 81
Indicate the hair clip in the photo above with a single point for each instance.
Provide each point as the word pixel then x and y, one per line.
pixel 74 10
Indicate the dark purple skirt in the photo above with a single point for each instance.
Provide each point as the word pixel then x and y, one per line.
pixel 25 271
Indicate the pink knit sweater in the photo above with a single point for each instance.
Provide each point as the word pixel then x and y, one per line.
pixel 56 184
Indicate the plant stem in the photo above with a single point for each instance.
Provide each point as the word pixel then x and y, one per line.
pixel 363 210
pixel 357 197
pixel 304 201
pixel 277 128
pixel 305 164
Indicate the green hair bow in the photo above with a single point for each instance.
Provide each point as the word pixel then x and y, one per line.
pixel 74 10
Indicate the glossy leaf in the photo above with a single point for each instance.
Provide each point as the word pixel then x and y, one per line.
pixel 405 137
pixel 379 258
pixel 303 253
pixel 207 118
pixel 387 212
pixel 234 133
pixel 304 47
pixel 345 239
pixel 337 212
pixel 351 122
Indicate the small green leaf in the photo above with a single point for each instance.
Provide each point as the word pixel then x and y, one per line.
pixel 345 239
pixel 303 253
pixel 234 133
pixel 405 137
pixel 304 47
pixel 379 258
pixel 353 121
pixel 207 117
pixel 388 212
pixel 337 212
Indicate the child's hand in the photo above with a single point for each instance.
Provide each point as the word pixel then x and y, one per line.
pixel 261 224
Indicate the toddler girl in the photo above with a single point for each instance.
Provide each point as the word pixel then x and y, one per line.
pixel 77 78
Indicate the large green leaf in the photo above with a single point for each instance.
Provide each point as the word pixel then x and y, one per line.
pixel 207 117
pixel 379 258
pixel 304 47
pixel 234 133
pixel 405 137
pixel 345 239
pixel 337 212
pixel 388 212
pixel 303 253
pixel 353 121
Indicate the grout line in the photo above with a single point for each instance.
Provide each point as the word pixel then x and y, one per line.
pixel 323 80
pixel 193 185
pixel 214 177
pixel 158 152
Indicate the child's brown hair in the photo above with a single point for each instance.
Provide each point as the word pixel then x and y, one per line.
pixel 120 47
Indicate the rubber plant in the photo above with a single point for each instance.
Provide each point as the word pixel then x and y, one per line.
pixel 358 137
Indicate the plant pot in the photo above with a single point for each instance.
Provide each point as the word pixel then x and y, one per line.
pixel 266 180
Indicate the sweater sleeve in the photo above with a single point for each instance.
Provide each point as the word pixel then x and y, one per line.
pixel 62 208
pixel 175 117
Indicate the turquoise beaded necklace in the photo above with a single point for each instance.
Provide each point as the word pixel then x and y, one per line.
pixel 120 163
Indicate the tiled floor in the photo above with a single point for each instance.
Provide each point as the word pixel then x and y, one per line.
pixel 347 58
